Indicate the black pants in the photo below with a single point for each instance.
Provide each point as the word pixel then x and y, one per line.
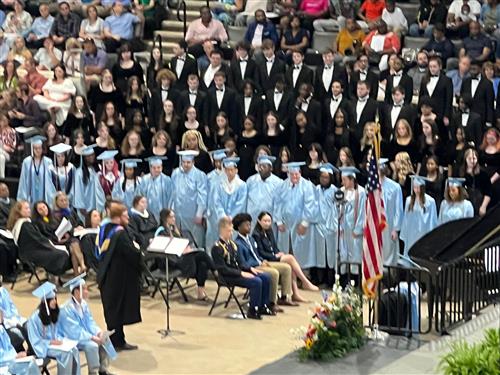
pixel 197 264
pixel 8 256
pixel 117 338
pixel 18 335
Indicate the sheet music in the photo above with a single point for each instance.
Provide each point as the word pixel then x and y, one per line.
pixel 67 345
pixel 63 228
pixel 168 245
pixel 25 359
pixel 159 244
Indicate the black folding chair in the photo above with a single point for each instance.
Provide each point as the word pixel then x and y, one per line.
pixel 28 267
pixel 222 283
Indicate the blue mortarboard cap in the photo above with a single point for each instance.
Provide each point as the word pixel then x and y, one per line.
pixel 382 161
pixel 188 154
pixel 156 160
pixel 36 140
pixel 130 163
pixel 349 171
pixel 45 291
pixel 328 168
pixel 75 282
pixel 60 148
pixel 89 150
pixel 294 166
pixel 455 181
pixel 107 155
pixel 418 180
pixel 219 154
pixel 230 162
pixel 266 159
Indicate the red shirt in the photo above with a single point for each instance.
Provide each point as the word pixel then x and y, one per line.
pixel 373 10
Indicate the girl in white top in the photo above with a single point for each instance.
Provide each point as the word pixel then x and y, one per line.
pixel 93 27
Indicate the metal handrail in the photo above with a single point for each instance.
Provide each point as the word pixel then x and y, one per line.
pixel 182 5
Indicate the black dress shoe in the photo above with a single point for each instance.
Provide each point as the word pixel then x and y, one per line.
pixel 264 310
pixel 253 314
pixel 126 346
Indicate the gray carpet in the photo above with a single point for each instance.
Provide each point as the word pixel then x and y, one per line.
pixel 371 358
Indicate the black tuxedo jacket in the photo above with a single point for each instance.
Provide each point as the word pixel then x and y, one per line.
pixel 267 81
pixel 442 96
pixel 482 101
pixel 371 78
pixel 255 110
pixel 229 105
pixel 156 107
pixel 200 104
pixel 369 113
pixel 339 74
pixel 473 131
pixel 283 108
pixel 313 112
pixel 408 112
pixel 306 75
pixel 328 118
pixel 406 82
pixel 224 68
pixel 250 73
pixel 190 67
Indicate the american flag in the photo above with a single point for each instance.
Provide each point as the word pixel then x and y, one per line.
pixel 375 223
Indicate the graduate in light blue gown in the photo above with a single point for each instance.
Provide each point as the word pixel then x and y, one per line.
pixel 262 188
pixel 45 332
pixel 88 191
pixel 8 356
pixel 326 227
pixel 420 216
pixel 77 323
pixel 351 239
pixel 297 210
pixel 455 206
pixel 63 172
pixel 127 186
pixel 35 182
pixel 213 179
pixel 190 197
pixel 392 196
pixel 12 321
pixel 230 195
pixel 157 186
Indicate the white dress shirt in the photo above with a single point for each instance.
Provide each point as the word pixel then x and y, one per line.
pixel 395 111
pixel 305 104
pixel 277 99
pixel 465 119
pixel 209 74
pixel 164 93
pixel 257 36
pixel 473 85
pixel 396 79
pixel 246 102
pixel 334 105
pixel 192 97
pixel 220 95
pixel 431 85
pixel 269 65
pixel 295 73
pixel 327 76
pixel 180 65
pixel 360 105
pixel 243 67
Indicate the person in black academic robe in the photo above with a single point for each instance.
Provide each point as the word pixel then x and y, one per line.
pixel 119 276
pixel 142 225
pixel 483 98
pixel 193 96
pixel 8 249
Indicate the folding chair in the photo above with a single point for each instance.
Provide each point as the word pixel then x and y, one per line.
pixel 221 283
pixel 30 268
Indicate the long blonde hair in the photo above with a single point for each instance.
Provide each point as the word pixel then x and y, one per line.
pixel 405 167
pixel 365 141
pixel 195 133
pixel 15 214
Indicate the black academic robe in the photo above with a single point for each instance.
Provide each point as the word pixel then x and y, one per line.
pixel 250 73
pixel 442 96
pixel 229 106
pixel 371 78
pixel 190 67
pixel 35 247
pixel 483 100
pixel 408 112
pixel 473 130
pixel 4 212
pixel 200 104
pixel 306 75
pixel 254 110
pixel 339 74
pixel 142 229
pixel 119 279
pixel 406 83
pixel 268 81
pixel 156 107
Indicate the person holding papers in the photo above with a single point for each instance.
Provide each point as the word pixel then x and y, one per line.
pixel 119 275
pixel 46 336
pixel 142 225
pixel 78 324
pixel 193 264
pixel 12 360
pixel 380 44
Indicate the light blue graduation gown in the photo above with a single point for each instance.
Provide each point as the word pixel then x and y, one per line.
pixel 190 200
pixel 393 203
pixel 414 299
pixel 450 211
pixel 297 205
pixel 351 248
pixel 326 228
pixel 418 222
pixel 10 313
pixel 159 191
pixel 64 180
pixel 79 325
pixel 91 196
pixel 40 337
pixel 262 195
pixel 126 196
pixel 33 186
pixel 7 351
pixel 212 233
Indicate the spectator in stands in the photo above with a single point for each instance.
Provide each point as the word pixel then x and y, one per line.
pixel 40 29
pixel 459 17
pixel 48 56
pixel 477 45
pixel 9 78
pixel 4 47
pixel 394 18
pixel 429 14
pixel 204 29
pixel 93 60
pixel 458 75
pixel 370 12
pixel 33 78
pixel 226 10
pixel 92 27
pixel 19 52
pixel 439 45
pixel 294 39
pixel 490 18
pixel 26 112
pixel 418 72
pixel 259 30
pixel 339 12
pixel 350 39
pixel 310 10
pixel 8 141
pixel 150 15
pixel 119 27
pixel 18 21
pixel 381 43
pixel 65 25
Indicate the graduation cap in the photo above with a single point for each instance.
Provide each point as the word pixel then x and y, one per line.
pixel 418 180
pixel 107 155
pixel 76 282
pixel 155 160
pixel 187 154
pixel 58 149
pixel 230 162
pixel 130 163
pixel 349 171
pixel 89 150
pixel 294 166
pixel 45 291
pixel 382 162
pixel 455 181
pixel 266 159
pixel 219 154
pixel 36 140
pixel 327 168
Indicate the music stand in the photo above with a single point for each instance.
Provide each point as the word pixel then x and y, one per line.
pixel 167 246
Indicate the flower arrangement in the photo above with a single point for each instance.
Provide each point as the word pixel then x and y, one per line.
pixel 336 326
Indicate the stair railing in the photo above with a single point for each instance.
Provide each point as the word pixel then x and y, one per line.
pixel 182 7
